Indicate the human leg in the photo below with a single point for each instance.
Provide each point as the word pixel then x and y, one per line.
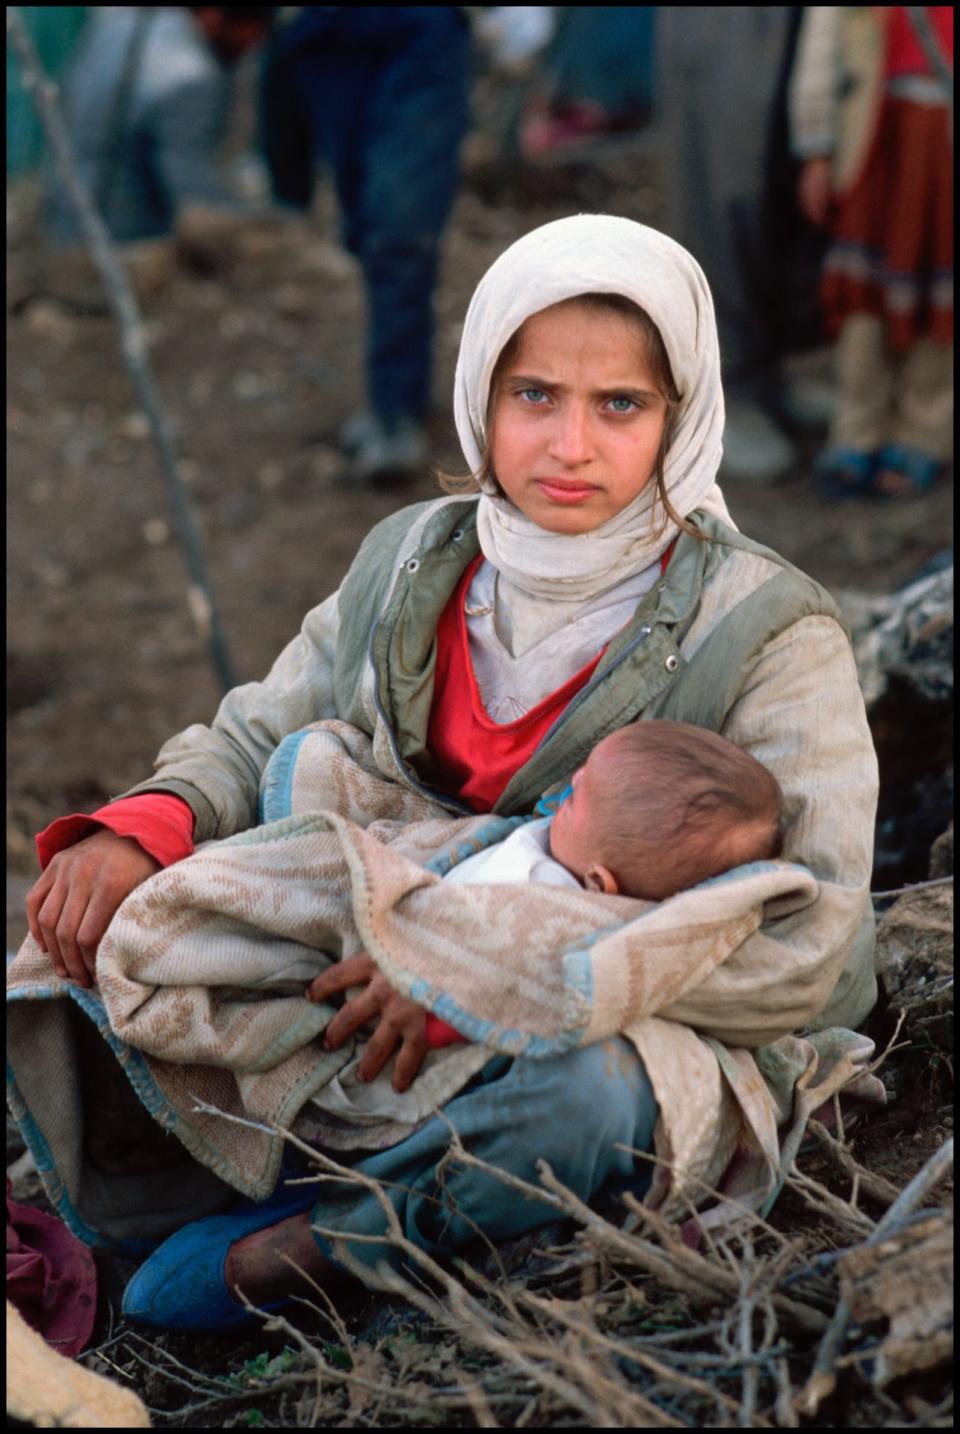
pixel 865 376
pixel 923 421
pixel 416 120
pixel 571 1111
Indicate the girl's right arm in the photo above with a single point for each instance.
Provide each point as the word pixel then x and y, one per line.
pixel 215 769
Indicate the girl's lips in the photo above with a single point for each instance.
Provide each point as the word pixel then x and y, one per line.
pixel 565 492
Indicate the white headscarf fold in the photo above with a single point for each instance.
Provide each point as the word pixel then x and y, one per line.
pixel 596 253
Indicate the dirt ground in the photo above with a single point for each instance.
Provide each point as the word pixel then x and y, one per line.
pixel 257 367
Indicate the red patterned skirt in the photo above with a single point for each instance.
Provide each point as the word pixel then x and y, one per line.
pixel 892 247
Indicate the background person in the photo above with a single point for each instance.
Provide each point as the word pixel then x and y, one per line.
pixel 722 72
pixel 146 101
pixel 379 93
pixel 871 110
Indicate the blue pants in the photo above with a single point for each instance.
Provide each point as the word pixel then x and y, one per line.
pixel 569 1111
pixel 383 93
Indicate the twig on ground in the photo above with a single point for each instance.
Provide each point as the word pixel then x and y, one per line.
pixel 876 1186
pixel 853 1222
pixel 823 1379
pixel 633 1350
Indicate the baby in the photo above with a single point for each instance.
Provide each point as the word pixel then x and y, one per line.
pixel 657 807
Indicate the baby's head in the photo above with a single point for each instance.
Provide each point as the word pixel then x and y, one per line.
pixel 660 806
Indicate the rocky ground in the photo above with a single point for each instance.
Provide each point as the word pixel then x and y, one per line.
pixel 258 362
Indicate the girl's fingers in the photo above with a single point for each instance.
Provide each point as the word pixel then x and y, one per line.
pixel 47 918
pixel 350 1018
pixel 68 924
pixel 36 897
pixel 351 972
pixel 378 1051
pixel 96 919
pixel 409 1061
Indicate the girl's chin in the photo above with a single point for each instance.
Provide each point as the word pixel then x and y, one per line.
pixel 567 520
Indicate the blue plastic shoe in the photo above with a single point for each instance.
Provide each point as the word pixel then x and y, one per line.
pixel 917 470
pixel 845 473
pixel 182 1285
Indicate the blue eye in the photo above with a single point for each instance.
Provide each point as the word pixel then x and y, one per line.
pixel 630 401
pixel 523 392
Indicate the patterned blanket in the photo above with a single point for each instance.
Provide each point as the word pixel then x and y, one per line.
pixel 199 1003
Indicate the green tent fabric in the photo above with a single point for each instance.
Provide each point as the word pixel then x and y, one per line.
pixel 54 30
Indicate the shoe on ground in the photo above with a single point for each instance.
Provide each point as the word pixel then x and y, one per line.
pixel 904 472
pixel 183 1284
pixel 394 453
pixel 845 473
pixel 754 448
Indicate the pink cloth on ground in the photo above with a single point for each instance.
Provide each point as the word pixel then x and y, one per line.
pixel 51 1278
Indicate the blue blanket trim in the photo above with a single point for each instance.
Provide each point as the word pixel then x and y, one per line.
pixel 276 784
pixel 135 1068
pixel 749 868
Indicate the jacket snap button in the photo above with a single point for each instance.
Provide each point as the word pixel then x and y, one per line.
pixel 672 663
pixel 413 564
pixel 456 535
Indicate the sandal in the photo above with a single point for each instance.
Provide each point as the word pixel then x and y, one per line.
pixel 845 473
pixel 913 471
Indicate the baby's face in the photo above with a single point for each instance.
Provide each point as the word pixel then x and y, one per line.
pixel 575 830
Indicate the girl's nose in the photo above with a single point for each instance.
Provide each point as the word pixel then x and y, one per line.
pixel 570 436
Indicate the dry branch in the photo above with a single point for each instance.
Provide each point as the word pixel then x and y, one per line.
pixel 823 1379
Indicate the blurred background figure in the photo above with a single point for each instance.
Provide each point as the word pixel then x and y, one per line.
pixel 380 94
pixel 596 76
pixel 871 112
pixel 146 99
pixel 723 73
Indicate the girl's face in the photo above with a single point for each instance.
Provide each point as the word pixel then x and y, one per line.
pixel 577 418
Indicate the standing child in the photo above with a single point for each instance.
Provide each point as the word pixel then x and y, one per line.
pixel 485 644
pixel 871 113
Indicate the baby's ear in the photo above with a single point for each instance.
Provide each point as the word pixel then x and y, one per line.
pixel 600 878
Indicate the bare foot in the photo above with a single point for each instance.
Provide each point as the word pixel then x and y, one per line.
pixel 255 1263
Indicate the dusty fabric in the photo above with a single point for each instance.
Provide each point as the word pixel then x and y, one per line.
pixel 595 253
pixel 51 1278
pixel 201 970
pixel 47 1391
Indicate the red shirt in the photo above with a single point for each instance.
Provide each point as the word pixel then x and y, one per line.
pixel 905 54
pixel 159 821
pixel 475 755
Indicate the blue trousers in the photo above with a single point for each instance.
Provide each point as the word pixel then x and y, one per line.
pixel 570 1111
pixel 383 91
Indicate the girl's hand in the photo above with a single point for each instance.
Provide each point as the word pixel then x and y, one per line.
pixel 400 1021
pixel 76 898
pixel 815 189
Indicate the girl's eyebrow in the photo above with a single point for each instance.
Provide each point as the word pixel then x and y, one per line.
pixel 621 391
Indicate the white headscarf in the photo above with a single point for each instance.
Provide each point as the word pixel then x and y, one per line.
pixel 595 253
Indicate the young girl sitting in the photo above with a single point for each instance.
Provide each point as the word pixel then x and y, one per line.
pixel 486 644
